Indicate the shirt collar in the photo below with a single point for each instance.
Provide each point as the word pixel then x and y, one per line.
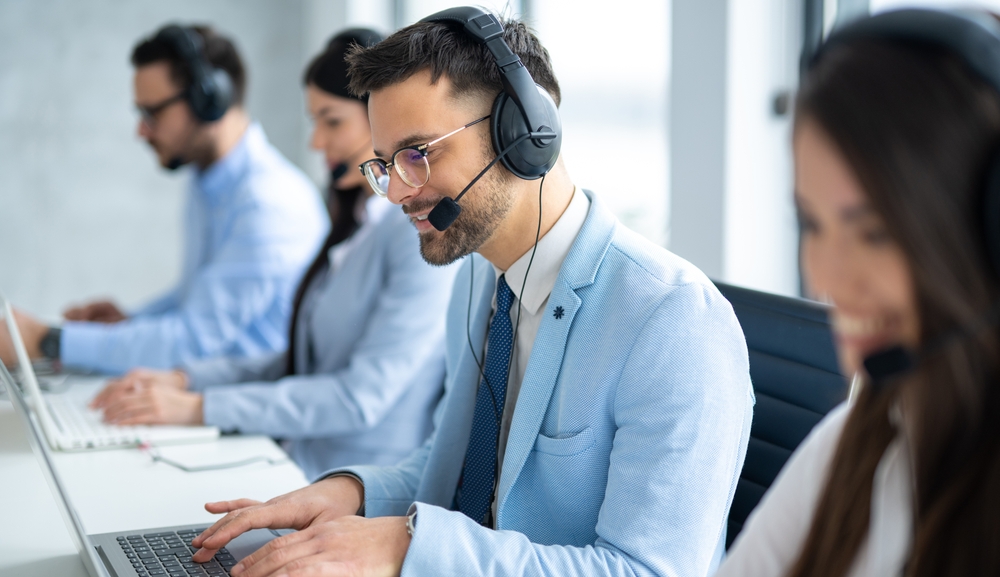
pixel 552 251
pixel 221 177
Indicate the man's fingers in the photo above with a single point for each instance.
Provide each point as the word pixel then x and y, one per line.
pixel 132 408
pixel 314 567
pixel 228 506
pixel 277 554
pixel 113 392
pixel 235 524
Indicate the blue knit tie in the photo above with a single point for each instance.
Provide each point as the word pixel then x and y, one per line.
pixel 475 489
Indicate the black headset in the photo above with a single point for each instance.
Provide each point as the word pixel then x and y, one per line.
pixel 524 123
pixel 973 37
pixel 210 93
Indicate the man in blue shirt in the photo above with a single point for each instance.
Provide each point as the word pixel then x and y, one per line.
pixel 598 400
pixel 252 222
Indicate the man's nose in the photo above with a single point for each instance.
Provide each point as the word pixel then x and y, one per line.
pixel 398 191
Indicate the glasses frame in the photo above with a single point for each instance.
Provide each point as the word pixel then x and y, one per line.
pixel 421 148
pixel 149 113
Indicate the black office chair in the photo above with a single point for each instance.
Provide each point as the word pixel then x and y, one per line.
pixel 796 380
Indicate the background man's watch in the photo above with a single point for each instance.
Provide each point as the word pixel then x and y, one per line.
pixel 51 344
pixel 411 523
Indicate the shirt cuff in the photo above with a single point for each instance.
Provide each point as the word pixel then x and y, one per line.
pixel 216 411
pixel 82 343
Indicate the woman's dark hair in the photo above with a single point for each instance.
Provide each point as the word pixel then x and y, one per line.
pixel 328 72
pixel 919 130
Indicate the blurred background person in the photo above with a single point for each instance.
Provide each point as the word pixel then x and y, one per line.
pixel 252 222
pixel 365 367
pixel 898 191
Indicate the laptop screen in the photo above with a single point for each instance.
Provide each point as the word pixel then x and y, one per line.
pixel 38 446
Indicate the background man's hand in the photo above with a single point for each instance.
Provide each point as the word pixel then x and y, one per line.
pixel 97 311
pixel 343 547
pixel 136 380
pixel 32 330
pixel 156 405
pixel 318 503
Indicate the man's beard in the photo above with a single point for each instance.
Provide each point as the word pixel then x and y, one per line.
pixel 490 203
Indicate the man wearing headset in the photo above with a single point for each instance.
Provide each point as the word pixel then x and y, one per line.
pixel 253 221
pixel 602 429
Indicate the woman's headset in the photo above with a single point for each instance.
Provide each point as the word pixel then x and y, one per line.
pixel 973 37
pixel 211 90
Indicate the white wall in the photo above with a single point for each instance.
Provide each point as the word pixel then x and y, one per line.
pixel 761 234
pixel 731 175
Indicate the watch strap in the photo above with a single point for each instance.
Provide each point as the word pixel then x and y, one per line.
pixel 51 344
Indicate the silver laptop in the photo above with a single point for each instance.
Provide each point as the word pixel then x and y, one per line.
pixel 148 553
pixel 70 425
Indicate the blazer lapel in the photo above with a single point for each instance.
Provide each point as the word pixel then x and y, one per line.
pixel 547 355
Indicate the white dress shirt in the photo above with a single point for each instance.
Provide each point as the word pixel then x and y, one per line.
pixel 775 532
pixel 551 252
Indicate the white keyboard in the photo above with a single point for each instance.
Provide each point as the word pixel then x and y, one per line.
pixel 83 428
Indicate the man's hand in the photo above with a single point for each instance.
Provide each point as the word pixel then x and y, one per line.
pixel 156 406
pixel 97 311
pixel 321 502
pixel 32 330
pixel 343 547
pixel 135 380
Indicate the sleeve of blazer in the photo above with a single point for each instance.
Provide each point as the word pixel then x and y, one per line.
pixel 682 409
pixel 405 328
pixel 230 370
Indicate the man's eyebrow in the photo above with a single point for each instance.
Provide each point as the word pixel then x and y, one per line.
pixel 412 140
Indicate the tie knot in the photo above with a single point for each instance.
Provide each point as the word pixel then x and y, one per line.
pixel 504 295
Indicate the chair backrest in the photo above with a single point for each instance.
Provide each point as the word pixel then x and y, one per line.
pixel 796 380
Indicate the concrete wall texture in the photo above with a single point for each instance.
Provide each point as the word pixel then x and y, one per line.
pixel 85 210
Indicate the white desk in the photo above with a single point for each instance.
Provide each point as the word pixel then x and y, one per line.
pixel 118 490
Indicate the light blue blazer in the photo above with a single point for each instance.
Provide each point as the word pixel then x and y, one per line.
pixel 628 435
pixel 375 371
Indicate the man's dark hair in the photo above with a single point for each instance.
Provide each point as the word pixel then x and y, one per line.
pixel 446 49
pixel 218 50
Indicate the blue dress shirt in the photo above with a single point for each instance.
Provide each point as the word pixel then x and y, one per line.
pixel 252 223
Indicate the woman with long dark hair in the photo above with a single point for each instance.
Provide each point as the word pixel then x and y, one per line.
pixel 365 364
pixel 896 136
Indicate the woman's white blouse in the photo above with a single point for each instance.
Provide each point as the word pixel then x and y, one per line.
pixel 775 532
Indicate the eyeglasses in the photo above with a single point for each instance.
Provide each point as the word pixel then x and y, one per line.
pixel 410 163
pixel 149 113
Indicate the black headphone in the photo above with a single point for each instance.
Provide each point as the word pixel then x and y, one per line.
pixel 974 37
pixel 211 90
pixel 524 123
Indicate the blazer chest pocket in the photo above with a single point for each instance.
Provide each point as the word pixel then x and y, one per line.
pixel 565 446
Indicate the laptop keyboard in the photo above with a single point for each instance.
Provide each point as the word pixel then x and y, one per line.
pixel 85 427
pixel 169 555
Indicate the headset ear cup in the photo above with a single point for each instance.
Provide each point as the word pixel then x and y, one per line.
pixel 222 93
pixel 530 159
pixel 991 211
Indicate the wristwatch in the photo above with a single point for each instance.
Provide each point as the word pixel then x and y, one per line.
pixel 51 343
pixel 411 523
